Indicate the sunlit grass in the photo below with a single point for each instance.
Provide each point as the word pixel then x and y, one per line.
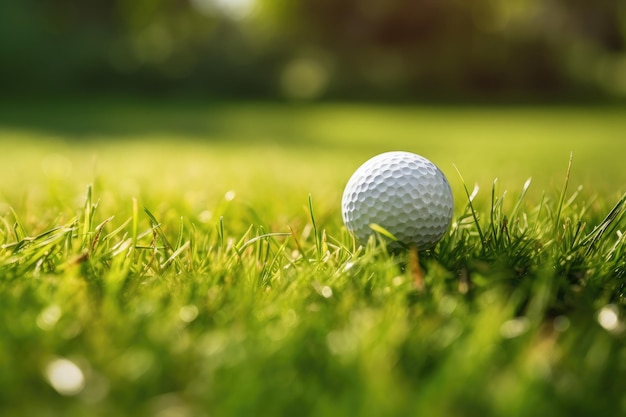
pixel 164 269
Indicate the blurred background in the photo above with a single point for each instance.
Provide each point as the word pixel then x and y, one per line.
pixel 317 49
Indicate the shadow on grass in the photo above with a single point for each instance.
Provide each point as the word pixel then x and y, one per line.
pixel 118 119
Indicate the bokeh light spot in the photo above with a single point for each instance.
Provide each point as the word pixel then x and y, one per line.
pixel 234 9
pixel 608 317
pixel 188 313
pixel 230 195
pixel 48 318
pixel 514 328
pixel 304 79
pixel 65 377
pixel 326 291
pixel 561 323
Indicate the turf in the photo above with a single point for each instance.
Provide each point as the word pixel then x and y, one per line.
pixel 189 259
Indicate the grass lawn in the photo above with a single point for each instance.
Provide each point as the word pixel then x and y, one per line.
pixel 189 259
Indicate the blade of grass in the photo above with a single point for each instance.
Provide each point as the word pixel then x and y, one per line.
pixel 220 234
pixel 381 230
pixel 557 221
pixel 135 226
pixel 610 222
pixel 156 225
pixel 179 239
pixel 174 256
pixel 474 215
pixel 18 229
pixel 260 237
pixel 492 210
pixel 520 199
pixel 318 245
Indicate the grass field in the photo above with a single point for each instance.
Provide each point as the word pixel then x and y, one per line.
pixel 189 259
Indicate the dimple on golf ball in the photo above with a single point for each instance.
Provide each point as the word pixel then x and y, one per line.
pixel 405 194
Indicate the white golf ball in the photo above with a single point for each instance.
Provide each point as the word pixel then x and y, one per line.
pixel 403 193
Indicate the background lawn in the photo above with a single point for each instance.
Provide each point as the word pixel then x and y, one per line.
pixel 238 297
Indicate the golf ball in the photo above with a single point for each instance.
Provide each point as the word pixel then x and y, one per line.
pixel 405 194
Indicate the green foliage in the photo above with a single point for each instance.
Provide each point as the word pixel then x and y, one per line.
pixel 189 278
pixel 308 49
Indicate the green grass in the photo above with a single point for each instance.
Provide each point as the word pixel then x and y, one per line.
pixel 190 260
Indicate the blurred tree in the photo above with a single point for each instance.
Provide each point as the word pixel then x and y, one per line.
pixel 313 48
pixel 479 47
